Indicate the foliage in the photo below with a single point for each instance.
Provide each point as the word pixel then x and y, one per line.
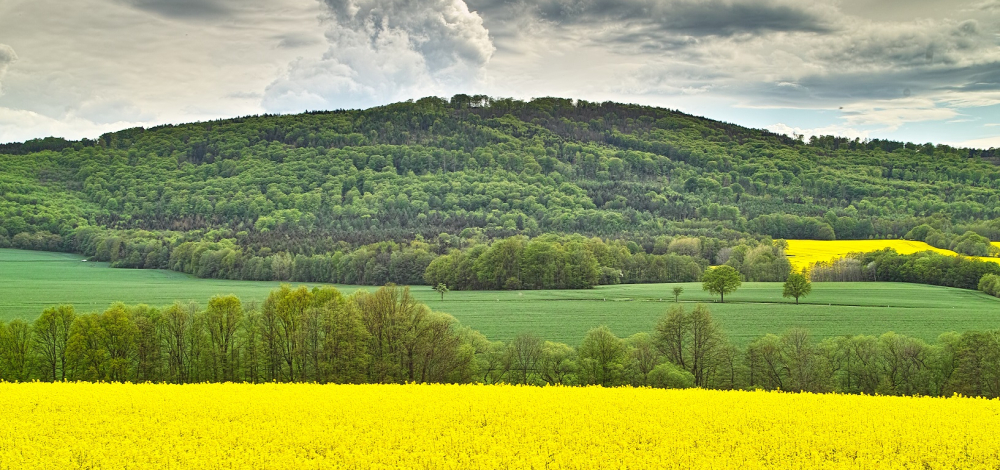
pixel 990 284
pixel 677 291
pixel 796 286
pixel 721 280
pixel 319 335
pixel 442 289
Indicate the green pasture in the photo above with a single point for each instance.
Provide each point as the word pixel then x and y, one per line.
pixel 31 281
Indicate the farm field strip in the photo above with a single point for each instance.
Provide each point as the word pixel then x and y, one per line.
pixel 803 253
pixel 32 281
pixel 290 426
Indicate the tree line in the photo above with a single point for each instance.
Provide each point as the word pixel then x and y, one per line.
pixel 462 262
pixel 320 335
pixel 887 265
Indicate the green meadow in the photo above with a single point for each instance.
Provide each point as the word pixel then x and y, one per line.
pixel 31 281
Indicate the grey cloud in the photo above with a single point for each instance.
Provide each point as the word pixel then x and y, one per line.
pixel 245 95
pixel 989 5
pixel 688 17
pixel 185 8
pixel 837 88
pixel 7 57
pixel 880 73
pixel 295 40
pixel 945 44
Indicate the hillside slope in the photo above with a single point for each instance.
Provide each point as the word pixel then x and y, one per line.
pixel 417 179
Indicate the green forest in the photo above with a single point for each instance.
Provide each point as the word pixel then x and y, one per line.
pixel 482 193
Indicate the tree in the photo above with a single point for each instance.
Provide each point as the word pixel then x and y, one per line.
pixel 677 293
pixel 557 364
pixel 15 351
pixel 442 289
pixel 797 285
pixel 690 341
pixel 525 352
pixel 51 335
pixel 644 357
pixel 721 280
pixel 223 319
pixel 603 357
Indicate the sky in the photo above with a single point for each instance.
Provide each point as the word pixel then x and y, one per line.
pixel 910 70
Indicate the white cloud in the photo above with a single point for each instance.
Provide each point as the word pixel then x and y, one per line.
pixel 135 63
pixel 984 143
pixel 893 113
pixel 17 125
pixel 839 131
pixel 387 50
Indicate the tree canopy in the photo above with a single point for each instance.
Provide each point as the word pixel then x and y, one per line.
pixel 721 280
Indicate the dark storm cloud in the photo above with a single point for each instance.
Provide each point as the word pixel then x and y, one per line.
pixel 187 9
pixel 689 17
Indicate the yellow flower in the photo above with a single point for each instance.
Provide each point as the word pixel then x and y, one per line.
pixel 804 253
pixel 308 426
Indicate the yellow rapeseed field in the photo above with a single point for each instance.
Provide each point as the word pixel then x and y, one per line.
pixel 291 426
pixel 803 253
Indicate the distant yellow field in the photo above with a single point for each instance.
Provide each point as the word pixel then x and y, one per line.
pixel 308 426
pixel 803 253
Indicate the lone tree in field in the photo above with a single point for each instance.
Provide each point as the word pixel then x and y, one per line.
pixel 677 293
pixel 797 286
pixel 721 280
pixel 442 289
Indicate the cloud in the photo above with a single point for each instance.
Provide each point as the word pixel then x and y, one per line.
pixel 839 131
pixel 988 5
pixel 7 57
pixel 894 113
pixel 19 125
pixel 295 39
pixel 185 9
pixel 881 74
pixel 984 143
pixel 663 18
pixel 386 50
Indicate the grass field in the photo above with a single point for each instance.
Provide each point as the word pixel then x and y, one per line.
pixel 31 281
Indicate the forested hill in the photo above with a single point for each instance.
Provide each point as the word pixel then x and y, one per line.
pixel 382 192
